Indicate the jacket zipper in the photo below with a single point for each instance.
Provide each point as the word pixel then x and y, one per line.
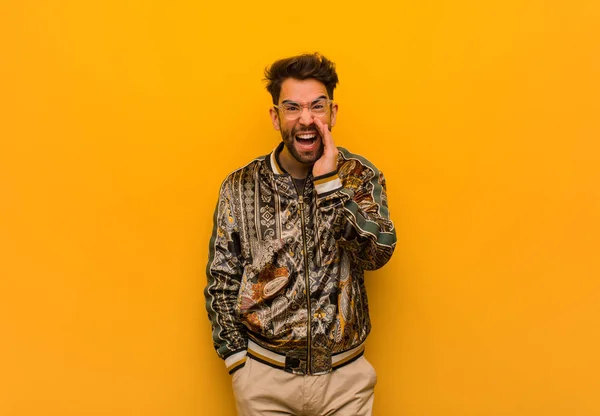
pixel 306 275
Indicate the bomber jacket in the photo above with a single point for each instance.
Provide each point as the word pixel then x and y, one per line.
pixel 285 275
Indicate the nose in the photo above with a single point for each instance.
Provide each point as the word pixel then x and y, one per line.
pixel 306 118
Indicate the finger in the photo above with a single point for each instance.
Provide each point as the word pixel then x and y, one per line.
pixel 325 134
pixel 321 127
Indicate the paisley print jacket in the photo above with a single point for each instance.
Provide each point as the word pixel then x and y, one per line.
pixel 286 265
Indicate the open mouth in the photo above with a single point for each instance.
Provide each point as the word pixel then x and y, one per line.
pixel 307 139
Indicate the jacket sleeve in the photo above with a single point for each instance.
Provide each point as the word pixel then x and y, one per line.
pixel 224 272
pixel 353 201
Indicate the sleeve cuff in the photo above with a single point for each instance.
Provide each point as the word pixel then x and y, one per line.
pixel 235 361
pixel 328 183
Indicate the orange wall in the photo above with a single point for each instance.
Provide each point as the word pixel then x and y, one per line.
pixel 118 121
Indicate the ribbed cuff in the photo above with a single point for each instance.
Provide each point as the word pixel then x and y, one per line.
pixel 328 183
pixel 235 361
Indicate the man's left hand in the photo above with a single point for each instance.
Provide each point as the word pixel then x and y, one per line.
pixel 328 161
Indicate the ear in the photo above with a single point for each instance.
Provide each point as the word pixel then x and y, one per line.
pixel 274 118
pixel 334 110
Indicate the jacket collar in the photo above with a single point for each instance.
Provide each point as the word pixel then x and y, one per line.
pixel 274 161
pixel 275 164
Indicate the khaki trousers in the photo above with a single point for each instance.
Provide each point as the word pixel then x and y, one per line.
pixel 261 390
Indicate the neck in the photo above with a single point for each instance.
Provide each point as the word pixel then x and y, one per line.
pixel 292 166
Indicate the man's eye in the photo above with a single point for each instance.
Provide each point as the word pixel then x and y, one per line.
pixel 318 107
pixel 291 108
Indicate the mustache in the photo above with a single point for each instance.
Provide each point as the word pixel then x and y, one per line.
pixel 311 129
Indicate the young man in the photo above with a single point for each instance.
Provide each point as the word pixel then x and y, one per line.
pixel 294 231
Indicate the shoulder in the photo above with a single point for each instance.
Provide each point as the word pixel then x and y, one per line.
pixel 249 167
pixel 352 162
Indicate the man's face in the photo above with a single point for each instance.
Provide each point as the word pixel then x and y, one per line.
pixel 301 137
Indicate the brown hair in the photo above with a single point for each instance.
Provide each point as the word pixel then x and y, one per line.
pixel 305 66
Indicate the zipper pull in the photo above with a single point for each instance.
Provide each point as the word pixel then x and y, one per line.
pixel 301 203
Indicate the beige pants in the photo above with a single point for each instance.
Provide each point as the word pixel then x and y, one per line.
pixel 261 390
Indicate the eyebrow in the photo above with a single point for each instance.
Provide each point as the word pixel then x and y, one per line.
pixel 316 99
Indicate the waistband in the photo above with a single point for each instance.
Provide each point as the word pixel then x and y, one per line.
pixel 282 361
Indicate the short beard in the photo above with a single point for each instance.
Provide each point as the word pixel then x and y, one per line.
pixel 288 142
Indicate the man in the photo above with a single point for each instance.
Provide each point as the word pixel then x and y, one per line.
pixel 293 233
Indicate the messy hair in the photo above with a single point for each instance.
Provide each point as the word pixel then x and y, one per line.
pixel 301 67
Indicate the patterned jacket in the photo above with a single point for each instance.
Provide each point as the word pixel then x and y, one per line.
pixel 286 266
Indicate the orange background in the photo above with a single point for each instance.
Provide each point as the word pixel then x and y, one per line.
pixel 118 121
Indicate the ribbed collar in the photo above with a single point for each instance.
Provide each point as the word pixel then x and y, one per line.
pixel 274 161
